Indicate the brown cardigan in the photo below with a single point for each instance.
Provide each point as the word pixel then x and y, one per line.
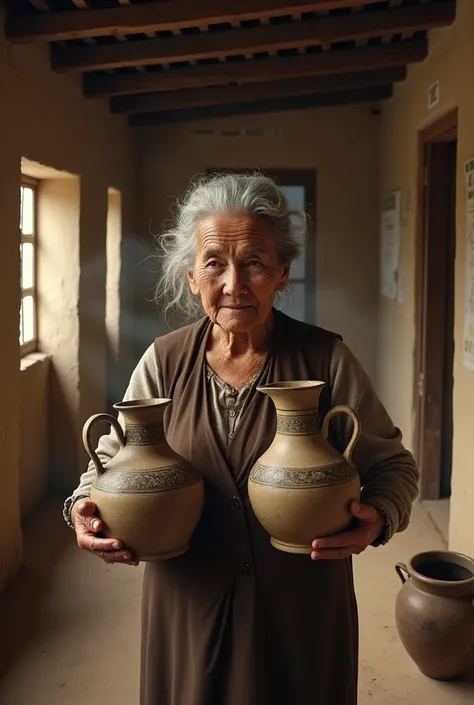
pixel 234 621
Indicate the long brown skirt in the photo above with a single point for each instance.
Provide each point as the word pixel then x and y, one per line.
pixel 278 639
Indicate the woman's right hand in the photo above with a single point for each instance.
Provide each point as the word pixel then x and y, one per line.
pixel 87 525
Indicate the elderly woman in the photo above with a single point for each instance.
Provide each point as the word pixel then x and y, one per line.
pixel 235 621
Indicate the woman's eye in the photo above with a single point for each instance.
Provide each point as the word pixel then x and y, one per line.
pixel 254 263
pixel 212 263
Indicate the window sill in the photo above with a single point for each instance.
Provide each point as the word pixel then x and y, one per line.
pixel 32 359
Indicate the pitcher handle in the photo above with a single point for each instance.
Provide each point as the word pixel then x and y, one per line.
pixel 343 409
pixel 401 568
pixel 86 437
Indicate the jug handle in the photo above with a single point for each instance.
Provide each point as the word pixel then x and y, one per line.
pixel 86 437
pixel 401 568
pixel 343 409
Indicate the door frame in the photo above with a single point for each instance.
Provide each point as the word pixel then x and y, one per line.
pixel 443 130
pixel 292 177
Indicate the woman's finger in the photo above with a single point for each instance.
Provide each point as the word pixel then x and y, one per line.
pixel 114 556
pixel 91 523
pixel 83 509
pixel 343 540
pixel 91 542
pixel 85 517
pixel 336 553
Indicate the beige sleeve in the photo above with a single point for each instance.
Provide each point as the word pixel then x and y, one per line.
pixel 388 472
pixel 144 383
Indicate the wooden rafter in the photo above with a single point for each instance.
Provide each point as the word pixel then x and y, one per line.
pixel 274 105
pixel 154 17
pixel 228 95
pixel 359 59
pixel 326 30
pixel 120 36
pixel 41 5
pixel 194 59
pixel 82 5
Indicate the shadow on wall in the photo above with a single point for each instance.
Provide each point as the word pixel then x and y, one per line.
pixel 62 457
pixel 150 323
pixel 34 430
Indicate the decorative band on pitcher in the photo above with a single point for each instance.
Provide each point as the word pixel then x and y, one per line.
pixel 298 425
pixel 144 435
pixel 304 477
pixel 159 480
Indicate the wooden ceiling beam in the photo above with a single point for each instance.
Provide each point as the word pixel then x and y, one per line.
pixel 41 5
pixel 133 19
pixel 228 95
pixel 258 70
pixel 373 95
pixel 326 30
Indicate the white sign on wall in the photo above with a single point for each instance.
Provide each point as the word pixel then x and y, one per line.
pixel 390 244
pixel 468 346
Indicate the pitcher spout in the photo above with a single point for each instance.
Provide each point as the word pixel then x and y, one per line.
pixel 294 395
pixel 143 411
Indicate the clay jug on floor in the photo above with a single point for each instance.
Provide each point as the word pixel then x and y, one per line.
pixel 301 488
pixel 147 495
pixel 434 613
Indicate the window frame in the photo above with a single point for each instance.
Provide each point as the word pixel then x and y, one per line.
pixel 32 345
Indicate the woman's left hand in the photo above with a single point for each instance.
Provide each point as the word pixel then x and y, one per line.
pixel 369 525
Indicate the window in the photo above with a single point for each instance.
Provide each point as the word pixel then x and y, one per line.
pixel 28 324
pixel 296 303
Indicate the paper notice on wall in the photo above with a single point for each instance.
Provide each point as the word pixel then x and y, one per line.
pixel 390 245
pixel 469 301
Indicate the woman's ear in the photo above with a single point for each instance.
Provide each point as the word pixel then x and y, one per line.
pixel 284 277
pixel 193 285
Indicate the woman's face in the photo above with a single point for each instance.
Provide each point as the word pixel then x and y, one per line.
pixel 237 271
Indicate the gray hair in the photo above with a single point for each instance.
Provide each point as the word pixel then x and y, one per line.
pixel 254 193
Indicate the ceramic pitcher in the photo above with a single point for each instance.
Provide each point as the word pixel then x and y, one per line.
pixel 301 488
pixel 148 497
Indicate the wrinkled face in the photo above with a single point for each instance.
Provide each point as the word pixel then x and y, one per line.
pixel 237 270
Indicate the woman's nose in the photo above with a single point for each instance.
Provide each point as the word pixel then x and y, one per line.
pixel 234 283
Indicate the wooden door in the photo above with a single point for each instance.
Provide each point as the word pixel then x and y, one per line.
pixel 435 324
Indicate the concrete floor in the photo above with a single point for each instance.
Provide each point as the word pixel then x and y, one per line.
pixel 69 626
pixel 438 509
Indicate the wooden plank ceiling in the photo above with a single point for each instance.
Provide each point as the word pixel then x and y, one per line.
pixel 176 60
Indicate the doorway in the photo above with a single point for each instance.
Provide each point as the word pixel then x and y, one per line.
pixel 299 188
pixel 435 307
